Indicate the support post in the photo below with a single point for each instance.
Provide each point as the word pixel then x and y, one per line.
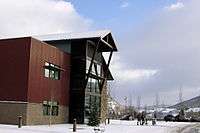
pixel 74 125
pixel 19 121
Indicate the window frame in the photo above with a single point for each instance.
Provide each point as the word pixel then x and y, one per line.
pixel 53 73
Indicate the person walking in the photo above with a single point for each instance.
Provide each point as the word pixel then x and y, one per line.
pixel 143 117
pixel 139 119
pixel 154 119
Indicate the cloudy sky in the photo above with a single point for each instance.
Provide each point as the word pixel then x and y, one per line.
pixel 158 41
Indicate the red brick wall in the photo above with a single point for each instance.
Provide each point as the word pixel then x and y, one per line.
pixel 14 58
pixel 41 88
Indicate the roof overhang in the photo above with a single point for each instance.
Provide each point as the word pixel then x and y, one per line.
pixel 104 37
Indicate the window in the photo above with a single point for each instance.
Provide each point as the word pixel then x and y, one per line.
pixel 52 74
pixel 89 85
pixel 95 64
pixel 99 69
pixel 50 108
pixel 51 71
pixel 46 108
pixel 97 87
pixel 87 65
pixel 93 85
pixel 90 100
pixel 46 73
pixel 54 109
pixel 57 75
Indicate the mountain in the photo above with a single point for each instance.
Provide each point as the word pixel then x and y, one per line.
pixel 192 103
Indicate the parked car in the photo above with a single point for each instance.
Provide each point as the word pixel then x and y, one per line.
pixel 178 118
pixel 127 117
pixel 169 118
pixel 194 119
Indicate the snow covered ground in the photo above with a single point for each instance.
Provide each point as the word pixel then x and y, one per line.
pixel 116 126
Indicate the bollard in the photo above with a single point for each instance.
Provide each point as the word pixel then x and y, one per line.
pixel 74 125
pixel 19 121
pixel 108 120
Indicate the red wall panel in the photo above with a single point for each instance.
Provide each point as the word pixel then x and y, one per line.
pixel 14 58
pixel 41 88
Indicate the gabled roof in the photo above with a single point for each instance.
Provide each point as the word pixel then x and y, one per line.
pixel 104 35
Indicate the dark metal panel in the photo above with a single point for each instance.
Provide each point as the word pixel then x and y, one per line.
pixel 64 45
pixel 78 70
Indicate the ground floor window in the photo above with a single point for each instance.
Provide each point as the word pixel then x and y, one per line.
pixel 50 108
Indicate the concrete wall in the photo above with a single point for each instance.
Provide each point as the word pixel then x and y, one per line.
pixel 32 114
pixel 9 112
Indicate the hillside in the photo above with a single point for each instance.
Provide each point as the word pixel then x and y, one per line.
pixel 192 103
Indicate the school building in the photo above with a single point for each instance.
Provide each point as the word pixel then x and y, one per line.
pixel 54 78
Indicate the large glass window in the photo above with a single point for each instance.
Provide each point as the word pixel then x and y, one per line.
pixel 91 100
pixel 92 91
pixel 93 85
pixel 95 67
pixel 92 96
pixel 51 71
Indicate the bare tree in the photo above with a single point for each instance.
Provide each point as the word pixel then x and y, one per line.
pixel 138 102
pixel 157 100
pixel 125 103
pixel 130 100
pixel 180 95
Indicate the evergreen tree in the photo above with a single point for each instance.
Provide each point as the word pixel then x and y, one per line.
pixel 94 119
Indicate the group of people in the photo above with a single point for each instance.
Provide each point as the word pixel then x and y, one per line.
pixel 142 119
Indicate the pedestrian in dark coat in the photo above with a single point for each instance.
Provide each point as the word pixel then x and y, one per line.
pixel 139 119
pixel 143 118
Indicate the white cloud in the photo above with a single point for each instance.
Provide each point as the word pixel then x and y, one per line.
pixel 126 74
pixel 31 17
pixel 168 43
pixel 124 4
pixel 175 6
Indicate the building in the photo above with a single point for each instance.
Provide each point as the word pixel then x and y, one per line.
pixel 54 78
pixel 31 82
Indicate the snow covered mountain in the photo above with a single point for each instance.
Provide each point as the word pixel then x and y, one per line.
pixel 191 103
